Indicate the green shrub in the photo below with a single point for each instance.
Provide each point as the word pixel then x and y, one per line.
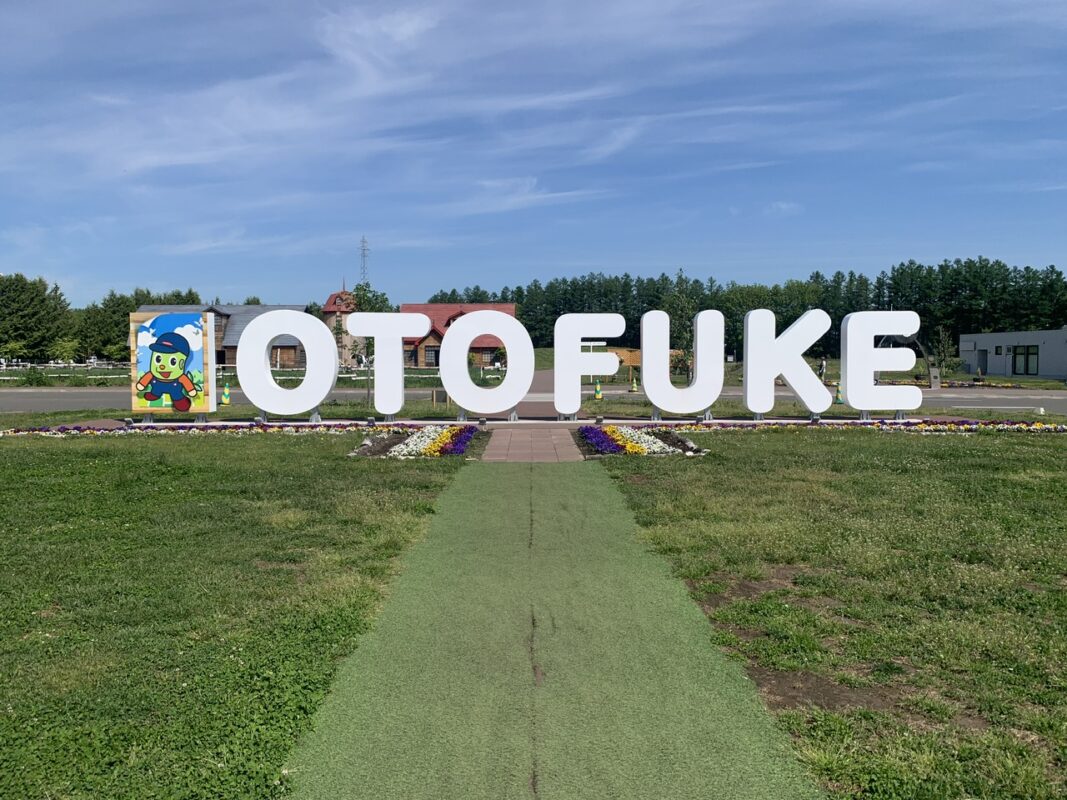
pixel 34 377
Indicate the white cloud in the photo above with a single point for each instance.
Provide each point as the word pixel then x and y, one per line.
pixel 145 337
pixel 194 335
pixel 513 194
pixel 231 240
pixel 615 142
pixel 783 208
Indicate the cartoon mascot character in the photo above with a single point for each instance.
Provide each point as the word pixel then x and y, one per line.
pixel 166 372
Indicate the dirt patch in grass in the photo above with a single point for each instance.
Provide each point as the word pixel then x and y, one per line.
pixel 795 689
pixel 859 687
pixel 790 689
pixel 778 577
pixel 672 439
pixel 378 445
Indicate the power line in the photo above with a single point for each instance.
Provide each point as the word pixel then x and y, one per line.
pixel 364 253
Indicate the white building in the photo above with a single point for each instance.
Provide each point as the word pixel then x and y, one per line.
pixel 1030 353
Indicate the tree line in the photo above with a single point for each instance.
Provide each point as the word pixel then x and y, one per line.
pixel 37 323
pixel 954 297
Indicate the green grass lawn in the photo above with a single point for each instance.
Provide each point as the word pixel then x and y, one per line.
pixel 64 376
pixel 900 599
pixel 532 648
pixel 173 609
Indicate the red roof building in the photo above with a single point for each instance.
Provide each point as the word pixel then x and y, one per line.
pixel 339 303
pixel 425 351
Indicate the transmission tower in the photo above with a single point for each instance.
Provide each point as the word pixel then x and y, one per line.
pixel 364 253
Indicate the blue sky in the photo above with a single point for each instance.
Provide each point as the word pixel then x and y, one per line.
pixel 243 148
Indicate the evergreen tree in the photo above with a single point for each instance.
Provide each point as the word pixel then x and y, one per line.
pixel 33 316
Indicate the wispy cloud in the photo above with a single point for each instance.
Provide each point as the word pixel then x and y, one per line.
pixel 230 240
pixel 783 208
pixel 228 138
pixel 615 142
pixel 513 194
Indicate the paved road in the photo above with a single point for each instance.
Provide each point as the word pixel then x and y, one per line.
pixel 71 399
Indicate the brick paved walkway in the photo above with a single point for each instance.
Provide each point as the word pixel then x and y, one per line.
pixel 540 444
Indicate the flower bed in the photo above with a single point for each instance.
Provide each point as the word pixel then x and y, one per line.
pixel 666 439
pixel 962 426
pixel 234 428
pixel 405 440
pixel 630 440
pixel 433 441
pixel 955 384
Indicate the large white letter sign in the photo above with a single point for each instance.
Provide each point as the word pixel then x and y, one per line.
pixel 455 369
pixel 388 332
pixel 860 359
pixel 707 362
pixel 253 362
pixel 572 363
pixel 767 357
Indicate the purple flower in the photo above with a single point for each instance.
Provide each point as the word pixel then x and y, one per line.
pixel 457 446
pixel 599 440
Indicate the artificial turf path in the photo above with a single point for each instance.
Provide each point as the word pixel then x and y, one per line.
pixel 532 648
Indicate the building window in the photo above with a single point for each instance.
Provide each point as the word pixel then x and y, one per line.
pixel 998 350
pixel 1024 359
pixel 487 356
pixel 431 356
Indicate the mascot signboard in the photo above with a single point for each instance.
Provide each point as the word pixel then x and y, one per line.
pixel 172 356
pixel 768 354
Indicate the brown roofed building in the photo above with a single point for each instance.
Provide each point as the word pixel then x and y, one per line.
pixel 425 351
pixel 286 352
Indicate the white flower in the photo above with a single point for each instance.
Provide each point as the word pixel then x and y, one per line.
pixel 651 444
pixel 417 442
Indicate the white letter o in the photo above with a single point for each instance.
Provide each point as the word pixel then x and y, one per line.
pixel 455 374
pixel 253 362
